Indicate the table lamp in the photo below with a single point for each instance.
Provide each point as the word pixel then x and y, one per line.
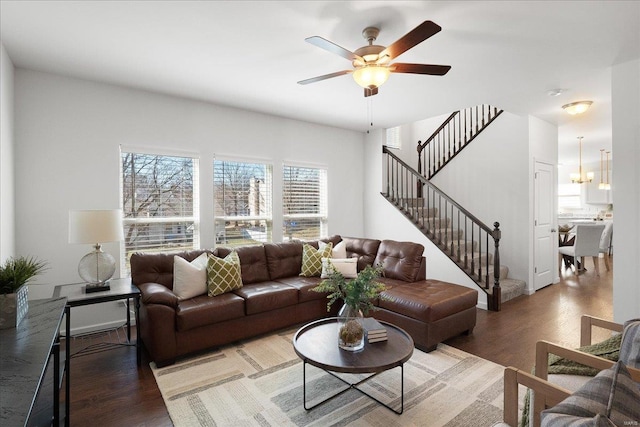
pixel 96 226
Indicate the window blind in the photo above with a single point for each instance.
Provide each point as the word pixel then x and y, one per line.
pixel 242 202
pixel 304 202
pixel 159 197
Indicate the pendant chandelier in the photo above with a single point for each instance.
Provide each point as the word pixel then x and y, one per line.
pixel 604 185
pixel 580 177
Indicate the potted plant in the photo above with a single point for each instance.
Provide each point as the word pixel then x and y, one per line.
pixel 15 273
pixel 357 295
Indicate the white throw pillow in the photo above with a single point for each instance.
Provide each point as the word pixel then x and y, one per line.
pixel 190 278
pixel 338 251
pixel 348 267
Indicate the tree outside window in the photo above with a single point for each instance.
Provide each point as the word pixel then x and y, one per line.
pixel 160 204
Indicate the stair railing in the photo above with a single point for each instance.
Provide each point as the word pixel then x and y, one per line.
pixel 466 240
pixel 455 133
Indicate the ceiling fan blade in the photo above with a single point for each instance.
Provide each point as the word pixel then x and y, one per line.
pixel 333 48
pixel 409 40
pixel 434 70
pixel 370 91
pixel 324 77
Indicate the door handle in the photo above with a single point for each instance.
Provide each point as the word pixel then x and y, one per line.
pixel 553 230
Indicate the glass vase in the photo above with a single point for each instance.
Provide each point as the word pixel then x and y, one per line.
pixel 350 330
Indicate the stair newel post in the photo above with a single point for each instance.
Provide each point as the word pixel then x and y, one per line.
pixel 420 160
pixel 496 294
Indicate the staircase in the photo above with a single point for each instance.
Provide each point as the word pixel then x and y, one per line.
pixel 453 135
pixel 468 242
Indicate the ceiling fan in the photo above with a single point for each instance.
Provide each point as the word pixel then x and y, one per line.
pixel 371 66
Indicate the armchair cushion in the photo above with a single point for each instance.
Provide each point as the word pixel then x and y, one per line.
pixel 630 348
pixel 612 394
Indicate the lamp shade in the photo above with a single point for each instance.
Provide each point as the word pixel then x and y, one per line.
pixel 95 226
pixel 371 75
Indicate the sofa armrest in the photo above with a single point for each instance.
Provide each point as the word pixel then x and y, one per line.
pixel 155 293
pixel 588 322
pixel 547 393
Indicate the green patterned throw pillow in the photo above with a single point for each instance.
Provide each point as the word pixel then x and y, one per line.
pixel 223 275
pixel 312 259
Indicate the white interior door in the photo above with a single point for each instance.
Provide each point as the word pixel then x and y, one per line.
pixel 544 234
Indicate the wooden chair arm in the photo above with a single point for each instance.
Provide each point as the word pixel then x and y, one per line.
pixel 544 348
pixel 547 393
pixel 588 322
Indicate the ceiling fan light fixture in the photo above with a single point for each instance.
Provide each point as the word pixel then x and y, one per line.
pixel 577 107
pixel 371 75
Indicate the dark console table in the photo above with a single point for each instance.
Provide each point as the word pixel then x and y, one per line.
pixel 24 355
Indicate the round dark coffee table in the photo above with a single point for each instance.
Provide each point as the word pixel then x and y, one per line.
pixel 317 344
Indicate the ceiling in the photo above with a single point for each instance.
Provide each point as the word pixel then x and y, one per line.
pixel 250 55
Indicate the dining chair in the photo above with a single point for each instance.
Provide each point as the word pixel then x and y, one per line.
pixel 605 243
pixel 587 243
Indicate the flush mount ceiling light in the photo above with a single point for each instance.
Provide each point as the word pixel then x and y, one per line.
pixel 578 107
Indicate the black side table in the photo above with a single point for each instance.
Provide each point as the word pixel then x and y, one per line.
pixel 121 289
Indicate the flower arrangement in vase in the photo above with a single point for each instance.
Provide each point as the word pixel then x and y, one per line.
pixel 357 295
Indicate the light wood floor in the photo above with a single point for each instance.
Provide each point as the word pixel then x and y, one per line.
pixel 108 390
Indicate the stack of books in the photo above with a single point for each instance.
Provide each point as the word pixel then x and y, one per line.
pixel 374 329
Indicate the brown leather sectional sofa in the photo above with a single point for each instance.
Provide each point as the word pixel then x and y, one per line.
pixel 275 296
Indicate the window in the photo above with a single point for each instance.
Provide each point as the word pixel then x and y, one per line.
pixel 242 202
pixel 304 203
pixel 393 138
pixel 159 196
pixel 569 196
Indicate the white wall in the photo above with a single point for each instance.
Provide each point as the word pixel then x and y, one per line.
pixel 68 133
pixel 7 201
pixel 625 96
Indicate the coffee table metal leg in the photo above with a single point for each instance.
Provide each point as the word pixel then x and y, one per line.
pixel 353 386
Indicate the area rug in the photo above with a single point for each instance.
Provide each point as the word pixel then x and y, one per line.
pixel 258 382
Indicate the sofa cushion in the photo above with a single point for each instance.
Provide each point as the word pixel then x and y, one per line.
pixel 399 260
pixel 304 286
pixel 339 249
pixel 190 278
pixel 223 274
pixel 203 311
pixel 348 267
pixel 267 296
pixel 253 263
pixel 283 259
pixel 157 268
pixel 364 250
pixel 428 300
pixel 611 394
pixel 312 259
